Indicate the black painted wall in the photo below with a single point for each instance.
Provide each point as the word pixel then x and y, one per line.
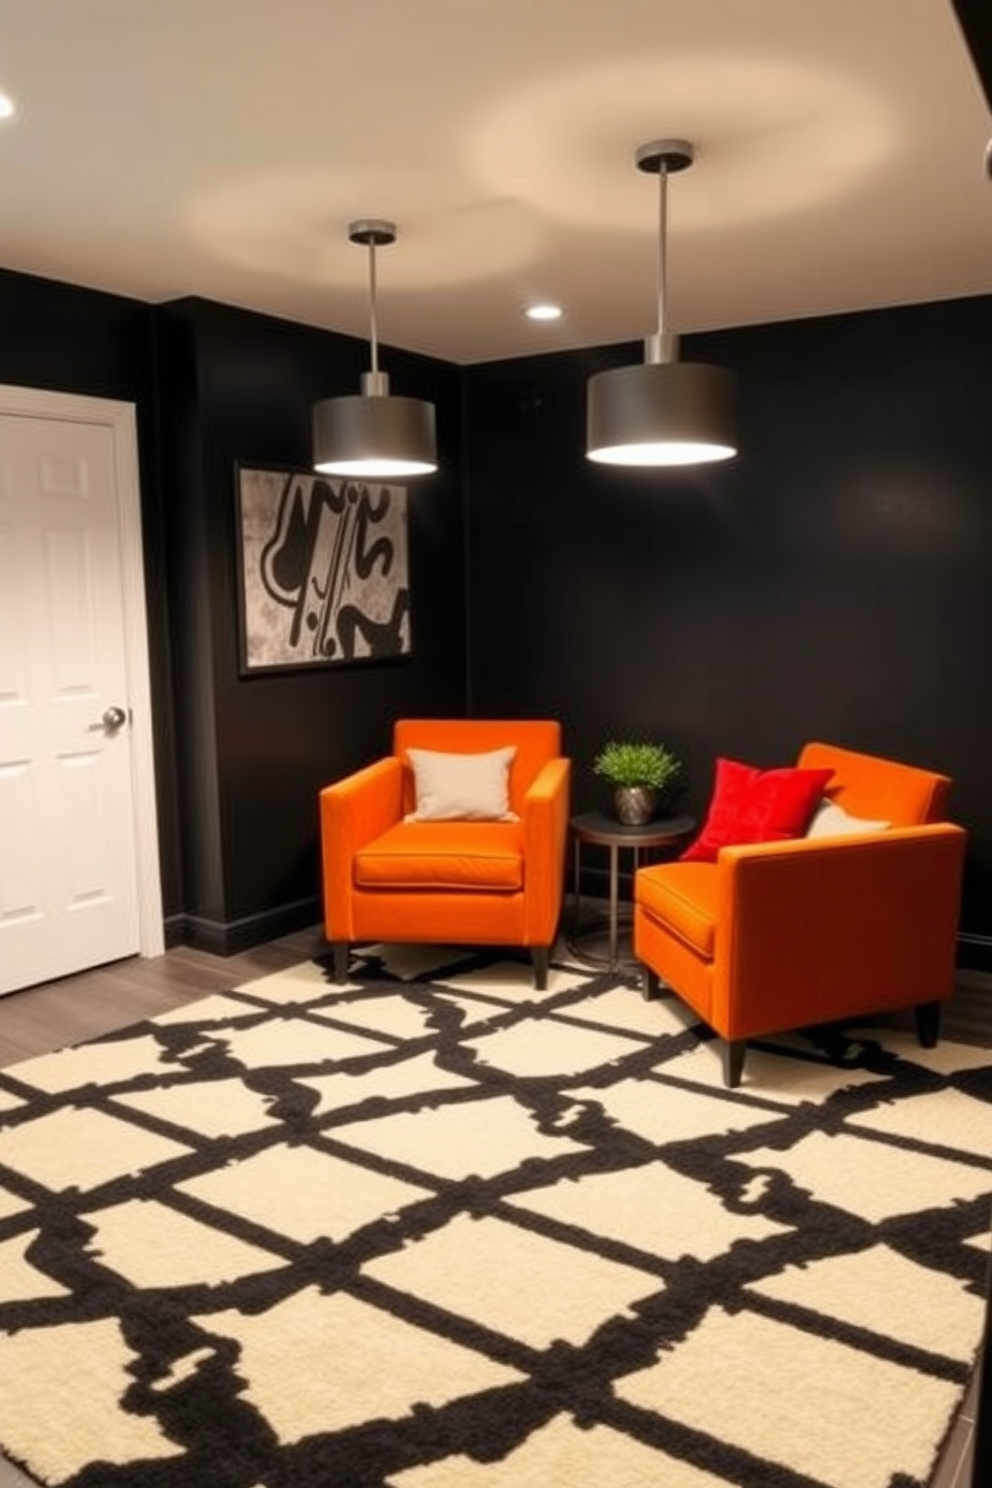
pixel 834 581
pixel 254 751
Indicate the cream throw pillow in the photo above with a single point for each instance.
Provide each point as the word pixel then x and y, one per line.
pixel 462 787
pixel 831 820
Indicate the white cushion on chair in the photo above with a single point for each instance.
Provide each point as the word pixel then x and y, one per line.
pixel 831 820
pixel 462 787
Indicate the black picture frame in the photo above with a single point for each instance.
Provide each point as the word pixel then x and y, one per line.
pixel 323 570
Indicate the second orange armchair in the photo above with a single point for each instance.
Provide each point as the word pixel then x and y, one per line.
pixel 779 935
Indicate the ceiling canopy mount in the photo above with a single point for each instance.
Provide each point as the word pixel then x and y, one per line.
pixel 669 155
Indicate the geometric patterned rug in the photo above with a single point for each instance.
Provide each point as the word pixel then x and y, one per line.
pixel 435 1229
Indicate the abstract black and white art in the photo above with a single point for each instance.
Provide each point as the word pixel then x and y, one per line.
pixel 323 570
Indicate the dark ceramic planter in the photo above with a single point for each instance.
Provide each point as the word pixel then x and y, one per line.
pixel 634 804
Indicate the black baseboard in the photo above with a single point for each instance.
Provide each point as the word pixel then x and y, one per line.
pixel 975 952
pixel 228 937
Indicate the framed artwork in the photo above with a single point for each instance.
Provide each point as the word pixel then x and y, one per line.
pixel 323 572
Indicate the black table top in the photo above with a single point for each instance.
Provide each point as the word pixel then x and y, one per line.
pixel 607 831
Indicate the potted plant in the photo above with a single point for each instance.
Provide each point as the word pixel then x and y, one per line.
pixel 640 773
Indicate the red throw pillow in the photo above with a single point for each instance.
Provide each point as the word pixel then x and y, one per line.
pixel 751 805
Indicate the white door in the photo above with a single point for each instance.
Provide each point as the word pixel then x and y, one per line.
pixel 75 889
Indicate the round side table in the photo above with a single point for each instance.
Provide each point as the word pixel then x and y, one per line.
pixel 601 830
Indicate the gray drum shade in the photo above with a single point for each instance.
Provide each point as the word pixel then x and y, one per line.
pixel 661 413
pixel 373 436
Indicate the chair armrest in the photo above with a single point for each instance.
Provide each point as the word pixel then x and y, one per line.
pixel 814 930
pixel 353 812
pixel 545 824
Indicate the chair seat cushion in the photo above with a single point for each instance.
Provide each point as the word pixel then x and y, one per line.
pixel 444 855
pixel 682 897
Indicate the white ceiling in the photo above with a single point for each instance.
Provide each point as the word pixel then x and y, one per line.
pixel 165 148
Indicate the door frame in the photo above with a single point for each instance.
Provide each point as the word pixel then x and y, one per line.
pixel 120 418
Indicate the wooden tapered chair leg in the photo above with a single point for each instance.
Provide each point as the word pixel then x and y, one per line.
pixel 650 985
pixel 927 1024
pixel 541 956
pixel 340 949
pixel 733 1052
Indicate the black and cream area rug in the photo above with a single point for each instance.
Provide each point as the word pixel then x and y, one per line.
pixel 435 1229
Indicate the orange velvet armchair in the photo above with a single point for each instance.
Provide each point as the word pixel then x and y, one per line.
pixel 788 934
pixel 476 881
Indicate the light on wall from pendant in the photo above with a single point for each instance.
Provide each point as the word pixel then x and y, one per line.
pixel 662 412
pixel 373 435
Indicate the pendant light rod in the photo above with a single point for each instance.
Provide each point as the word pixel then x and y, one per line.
pixel 658 352
pixel 373 233
pixel 373 316
pixel 663 157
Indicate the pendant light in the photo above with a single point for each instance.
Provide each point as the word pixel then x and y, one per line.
pixel 664 412
pixel 373 435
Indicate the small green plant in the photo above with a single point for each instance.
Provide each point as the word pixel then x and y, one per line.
pixel 627 763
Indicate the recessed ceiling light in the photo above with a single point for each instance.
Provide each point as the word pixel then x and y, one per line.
pixel 7 106
pixel 544 311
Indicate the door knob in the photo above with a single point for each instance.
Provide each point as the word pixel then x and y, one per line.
pixel 113 719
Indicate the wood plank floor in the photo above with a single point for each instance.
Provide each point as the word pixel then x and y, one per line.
pixel 47 1017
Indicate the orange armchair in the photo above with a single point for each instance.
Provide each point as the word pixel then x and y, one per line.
pixel 470 882
pixel 782 935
